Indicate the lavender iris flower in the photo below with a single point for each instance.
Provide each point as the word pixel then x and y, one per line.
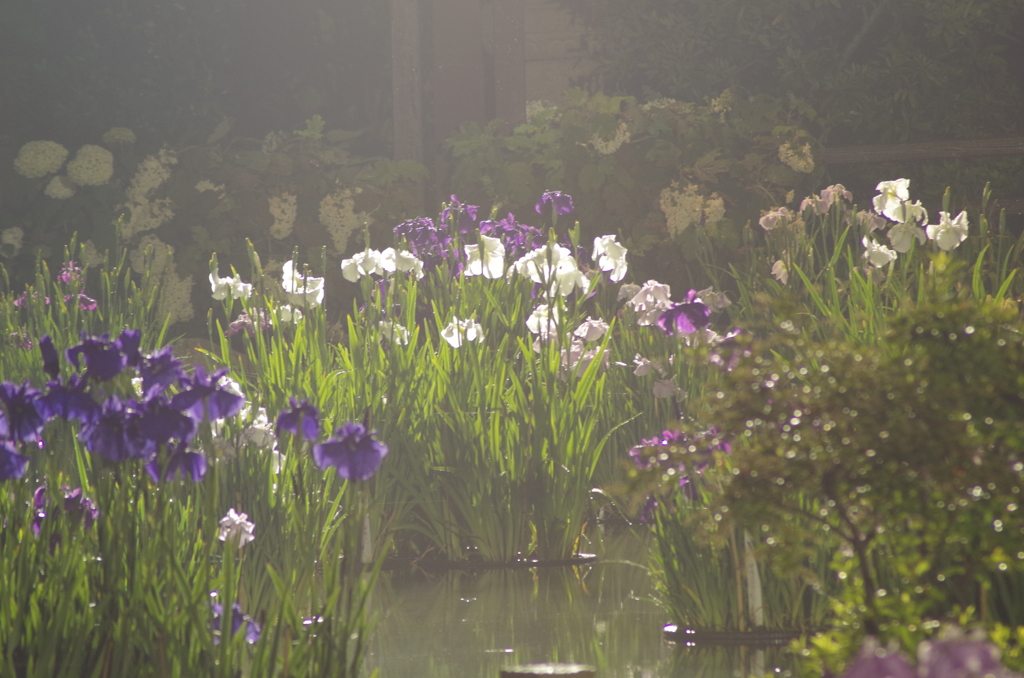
pixel 20 419
pixel 561 202
pixel 353 450
pixel 873 662
pixel 12 464
pixel 51 361
pixel 300 418
pixel 687 316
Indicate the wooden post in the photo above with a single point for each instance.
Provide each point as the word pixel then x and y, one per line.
pixel 509 40
pixel 457 85
pixel 406 80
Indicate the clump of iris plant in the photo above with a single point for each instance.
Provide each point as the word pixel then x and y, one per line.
pixel 156 426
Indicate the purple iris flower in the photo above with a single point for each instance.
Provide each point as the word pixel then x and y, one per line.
pixel 38 509
pixel 162 422
pixel 51 361
pixel 116 434
pixel 429 242
pixel 517 238
pixel 103 358
pixel 873 661
pixel 561 202
pixel 80 507
pixel 299 418
pixel 687 316
pixel 960 656
pixel 159 370
pixel 252 629
pixel 465 216
pixel 76 506
pixel 12 464
pixel 203 399
pixel 20 419
pixel 68 401
pixel 179 461
pixel 353 450
pixel 128 342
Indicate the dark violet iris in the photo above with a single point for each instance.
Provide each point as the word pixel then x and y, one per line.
pixel 116 434
pixel 103 358
pixel 561 202
pixel 429 242
pixel 252 629
pixel 463 216
pixel 20 419
pixel 299 419
pixel 177 462
pixel 517 238
pixel 203 399
pixel 128 343
pixel 79 507
pixel 159 371
pixel 51 360
pixel 687 316
pixel 352 450
pixel 161 422
pixel 68 401
pixel 12 464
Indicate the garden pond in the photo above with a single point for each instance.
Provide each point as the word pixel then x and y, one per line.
pixel 462 623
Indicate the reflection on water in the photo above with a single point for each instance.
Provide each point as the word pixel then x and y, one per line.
pixel 472 624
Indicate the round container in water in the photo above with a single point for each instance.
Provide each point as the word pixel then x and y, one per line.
pixel 533 670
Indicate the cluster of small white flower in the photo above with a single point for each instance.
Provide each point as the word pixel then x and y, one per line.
pixel 339 216
pixel 176 297
pixel 119 135
pixel 609 146
pixel 152 254
pixel 538 106
pixel 11 241
pixel 283 208
pixel 59 188
pixel 89 255
pixel 92 166
pixel 147 213
pixel 204 185
pixel 687 207
pixel 799 159
pixel 39 158
pixel 662 102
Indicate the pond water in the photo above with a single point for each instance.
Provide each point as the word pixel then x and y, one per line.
pixel 460 624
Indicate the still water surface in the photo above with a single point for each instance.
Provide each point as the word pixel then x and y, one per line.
pixel 461 624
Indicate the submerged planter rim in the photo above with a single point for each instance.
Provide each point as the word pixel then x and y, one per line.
pixel 759 637
pixel 473 565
